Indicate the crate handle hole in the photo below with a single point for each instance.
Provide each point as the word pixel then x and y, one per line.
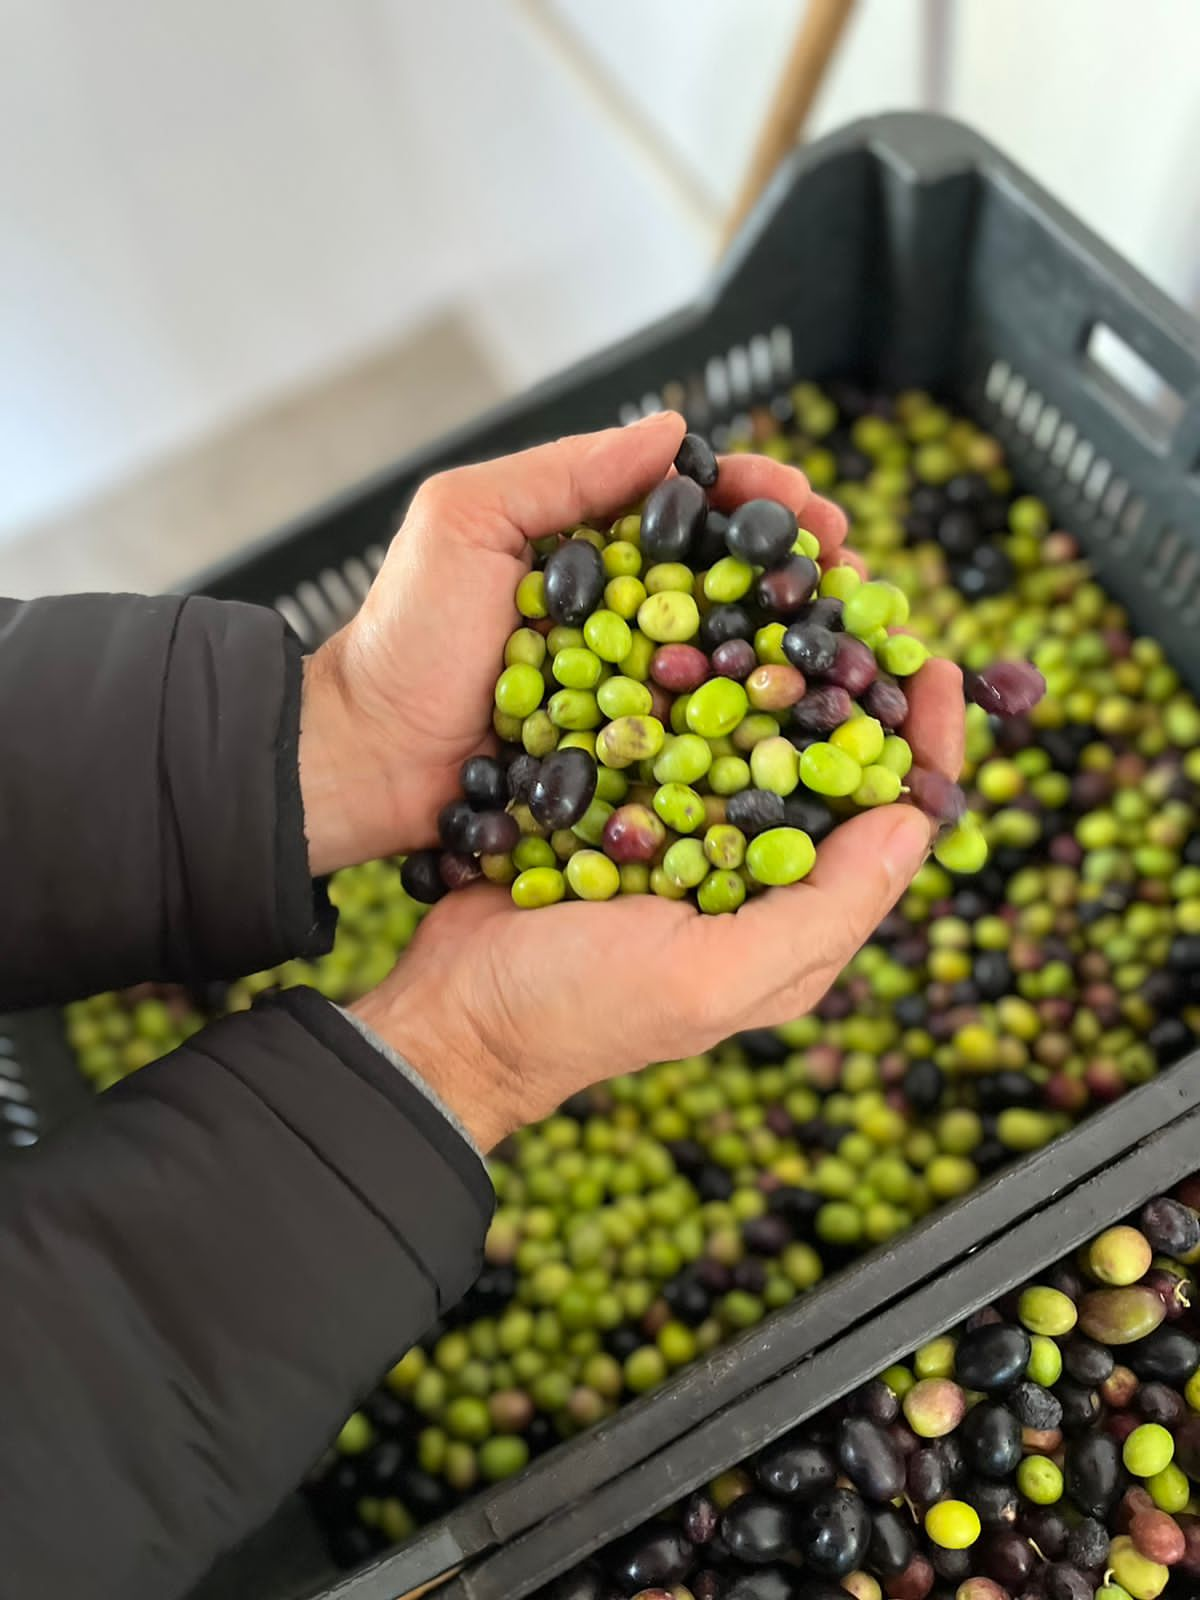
pixel 1131 383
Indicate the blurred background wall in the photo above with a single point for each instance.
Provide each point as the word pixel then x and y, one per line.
pixel 250 249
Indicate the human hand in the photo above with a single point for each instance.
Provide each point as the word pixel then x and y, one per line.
pixel 395 702
pixel 506 1012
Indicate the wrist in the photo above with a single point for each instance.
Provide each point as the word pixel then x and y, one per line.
pixel 460 1072
pixel 338 779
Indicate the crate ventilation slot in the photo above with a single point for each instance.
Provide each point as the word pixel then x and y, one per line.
pixel 319 607
pixel 1086 486
pixel 19 1121
pixel 746 373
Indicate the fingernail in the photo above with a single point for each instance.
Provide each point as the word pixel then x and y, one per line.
pixel 654 416
pixel 907 846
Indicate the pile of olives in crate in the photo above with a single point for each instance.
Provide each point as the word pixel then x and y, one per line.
pixel 1049 1449
pixel 690 707
pixel 659 1214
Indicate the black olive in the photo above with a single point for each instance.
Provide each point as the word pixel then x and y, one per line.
pixel 891 1546
pixel 757 1529
pixel 1093 1473
pixel 796 1468
pixel 991 1440
pixel 993 1358
pixel 653 1555
pixel 870 1459
pixel 575 579
pixel 697 459
pixel 673 515
pixel 832 1533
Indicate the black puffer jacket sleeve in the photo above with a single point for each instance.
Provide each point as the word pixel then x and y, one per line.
pixel 204 1272
pixel 150 815
pixel 200 1279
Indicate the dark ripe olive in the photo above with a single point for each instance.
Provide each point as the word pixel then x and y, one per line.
pixel 708 547
pixel 892 1544
pixel 992 1359
pixel 495 833
pixel 832 1532
pixel 696 459
pixel 1172 1290
pixel 824 613
pixel 1034 1407
pixel 723 623
pixel 870 1459
pixel 796 1468
pixel 936 794
pixel 421 878
pixel 762 1045
pixel 458 869
pixel 854 666
pixel 991 1440
pixel 953 1565
pixel 768 1235
pixel 688 1299
pixel 563 788
pixel 923 1085
pixel 1046 1528
pixel 886 701
pixel 575 579
pixel 927 1478
pixel 1080 1406
pixel 997 1503
pixel 584 1583
pixel 700 1518
pixel 1168 1355
pixel 757 1529
pixel 810 647
pixel 1065 1582
pixel 785 589
pixel 761 532
pixel 1155 1402
pixel 454 825
pixel 1087 1544
pixel 754 811
pixel 707 1584
pixel 1008 1559
pixel 951 1453
pixel 484 783
pixel 671 518
pixel 958 532
pixel 988 573
pixel 522 774
pixel 1093 1475
pixel 822 710
pixel 877 1401
pixel 769 1583
pixel 799 1206
pixel 735 658
pixel 1187 1447
pixel 1086 1361
pixel 655 1554
pixel 999 1090
pixel 810 814
pixel 425 1496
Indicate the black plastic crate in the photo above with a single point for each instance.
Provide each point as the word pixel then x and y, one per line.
pixel 905 249
pixel 963 1285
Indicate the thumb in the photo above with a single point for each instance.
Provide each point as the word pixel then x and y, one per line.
pixel 501 504
pixel 862 869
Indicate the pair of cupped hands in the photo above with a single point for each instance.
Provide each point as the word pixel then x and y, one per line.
pixel 504 1012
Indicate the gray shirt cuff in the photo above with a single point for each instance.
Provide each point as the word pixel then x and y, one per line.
pixel 413 1076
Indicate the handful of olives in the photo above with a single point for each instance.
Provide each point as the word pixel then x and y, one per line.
pixel 690 705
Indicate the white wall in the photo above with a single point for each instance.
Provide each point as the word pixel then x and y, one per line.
pixel 207 203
